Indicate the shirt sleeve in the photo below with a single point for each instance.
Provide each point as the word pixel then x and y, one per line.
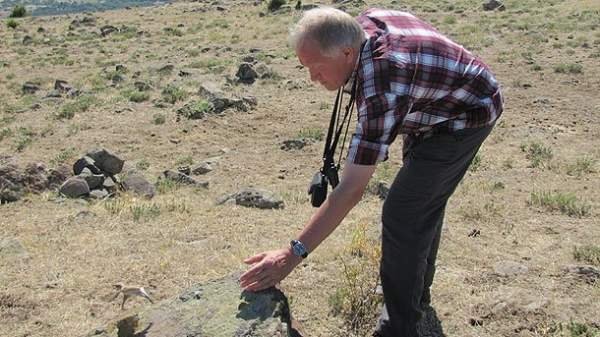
pixel 374 130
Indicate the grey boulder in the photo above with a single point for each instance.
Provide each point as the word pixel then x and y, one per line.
pixel 75 187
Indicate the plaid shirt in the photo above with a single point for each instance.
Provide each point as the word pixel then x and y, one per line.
pixel 411 80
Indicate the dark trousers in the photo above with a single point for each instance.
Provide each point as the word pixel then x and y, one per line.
pixel 412 219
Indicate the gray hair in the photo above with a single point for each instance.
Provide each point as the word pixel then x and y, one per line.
pixel 330 28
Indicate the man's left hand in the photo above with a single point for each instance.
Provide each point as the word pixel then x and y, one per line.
pixel 268 269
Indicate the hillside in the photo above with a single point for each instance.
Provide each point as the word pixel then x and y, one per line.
pixel 522 221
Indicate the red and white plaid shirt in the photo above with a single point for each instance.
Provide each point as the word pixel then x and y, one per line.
pixel 412 79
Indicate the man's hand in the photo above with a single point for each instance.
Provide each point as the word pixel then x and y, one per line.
pixel 268 269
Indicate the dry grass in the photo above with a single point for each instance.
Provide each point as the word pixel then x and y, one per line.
pixel 78 249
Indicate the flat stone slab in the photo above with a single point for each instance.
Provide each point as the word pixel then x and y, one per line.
pixel 215 309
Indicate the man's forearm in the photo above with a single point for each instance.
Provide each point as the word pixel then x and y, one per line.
pixel 343 198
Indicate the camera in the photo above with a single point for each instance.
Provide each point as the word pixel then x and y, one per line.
pixel 320 181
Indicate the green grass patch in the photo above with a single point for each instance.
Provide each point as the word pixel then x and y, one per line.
pixel 172 94
pixel 135 95
pixel 566 203
pixel 159 119
pixel 568 68
pixel 588 254
pixel 144 211
pixel 80 104
pixel 582 166
pixel 64 156
pixel 24 138
pixel 538 154
pixel 311 133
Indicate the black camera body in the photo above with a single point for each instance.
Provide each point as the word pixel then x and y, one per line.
pixel 320 181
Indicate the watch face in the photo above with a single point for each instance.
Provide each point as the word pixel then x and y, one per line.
pixel 298 248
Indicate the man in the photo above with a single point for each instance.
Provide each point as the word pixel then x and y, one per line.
pixel 410 80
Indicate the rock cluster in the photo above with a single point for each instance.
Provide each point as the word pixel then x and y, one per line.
pixel 35 178
pixel 94 175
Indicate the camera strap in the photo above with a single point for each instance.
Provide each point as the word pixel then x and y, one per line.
pixel 336 128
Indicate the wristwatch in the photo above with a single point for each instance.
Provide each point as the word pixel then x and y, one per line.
pixel 299 249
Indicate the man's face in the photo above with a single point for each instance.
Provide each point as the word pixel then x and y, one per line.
pixel 330 72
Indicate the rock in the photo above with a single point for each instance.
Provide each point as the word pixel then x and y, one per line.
pixel 137 183
pixel 120 68
pixel 75 187
pixel 184 73
pixel 509 268
pixel 10 193
pixel 249 59
pixel 295 144
pixel 93 180
pixel 203 168
pixel 54 94
pixel 588 272
pixel 220 102
pixel 99 194
pixel 35 177
pixel 246 73
pixel 251 197
pixel 30 88
pixel 11 183
pixel 118 78
pixel 27 40
pixel 183 178
pixel 491 5
pixel 85 162
pixel 110 184
pixel 62 86
pixel 10 247
pixel 58 175
pixel 166 69
pixel 107 30
pixel 215 308
pixel 106 161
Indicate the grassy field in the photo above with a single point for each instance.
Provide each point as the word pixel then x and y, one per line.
pixel 532 193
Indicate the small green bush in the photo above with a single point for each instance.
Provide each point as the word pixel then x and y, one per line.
pixel 568 68
pixel 582 166
pixel 159 119
pixel 24 138
pixel 196 109
pixel 81 104
pixel 311 133
pixel 137 96
pixel 588 254
pixel 566 203
pixel 172 94
pixel 6 132
pixel 18 11
pixel 10 23
pixel 538 154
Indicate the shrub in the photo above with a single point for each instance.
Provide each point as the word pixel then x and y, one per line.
pixel 196 109
pixel 81 104
pixel 566 203
pixel 538 154
pixel 10 23
pixel 172 93
pixel 159 119
pixel 24 138
pixel 311 133
pixel 589 254
pixel 570 68
pixel 142 165
pixel 582 166
pixel 5 132
pixel 18 11
pixel 275 4
pixel 357 300
pixel 136 95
